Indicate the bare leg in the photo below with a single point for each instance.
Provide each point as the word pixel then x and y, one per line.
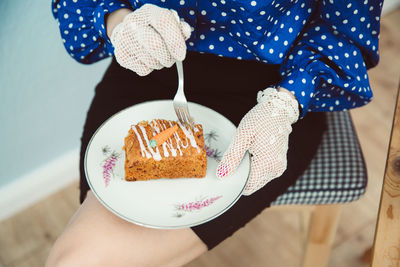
pixel 96 237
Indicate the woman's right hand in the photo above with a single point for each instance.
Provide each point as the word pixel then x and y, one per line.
pixel 150 38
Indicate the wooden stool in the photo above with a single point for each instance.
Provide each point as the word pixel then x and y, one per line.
pixel 336 175
pixel 386 251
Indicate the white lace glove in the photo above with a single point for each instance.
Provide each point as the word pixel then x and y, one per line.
pixel 150 38
pixel 264 132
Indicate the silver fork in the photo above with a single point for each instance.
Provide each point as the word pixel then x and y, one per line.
pixel 180 103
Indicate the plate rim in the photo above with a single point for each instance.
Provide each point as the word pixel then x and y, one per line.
pixel 147 224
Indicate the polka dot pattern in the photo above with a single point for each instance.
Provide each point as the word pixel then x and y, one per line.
pixel 327 69
pixel 324 47
pixel 82 27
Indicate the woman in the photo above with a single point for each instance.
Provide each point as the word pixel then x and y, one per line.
pixel 309 55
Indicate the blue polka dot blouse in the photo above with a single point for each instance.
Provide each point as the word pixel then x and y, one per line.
pixel 324 47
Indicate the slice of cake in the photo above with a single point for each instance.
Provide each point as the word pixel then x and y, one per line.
pixel 180 153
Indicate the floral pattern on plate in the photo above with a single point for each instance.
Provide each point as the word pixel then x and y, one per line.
pixel 108 164
pixel 209 139
pixel 196 205
pixel 157 198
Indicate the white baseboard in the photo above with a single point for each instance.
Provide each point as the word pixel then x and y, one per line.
pixel 39 184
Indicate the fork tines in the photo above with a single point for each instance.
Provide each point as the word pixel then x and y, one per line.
pixel 183 114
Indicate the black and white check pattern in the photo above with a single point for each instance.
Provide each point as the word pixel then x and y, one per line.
pixel 337 173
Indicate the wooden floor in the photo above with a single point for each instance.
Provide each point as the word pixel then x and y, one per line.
pixel 26 238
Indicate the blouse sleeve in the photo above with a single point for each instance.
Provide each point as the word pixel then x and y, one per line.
pixel 82 27
pixel 326 69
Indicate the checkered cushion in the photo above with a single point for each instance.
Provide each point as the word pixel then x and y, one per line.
pixel 337 173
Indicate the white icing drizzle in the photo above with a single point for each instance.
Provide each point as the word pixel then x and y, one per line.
pixel 168 143
pixel 178 140
pixel 156 154
pixel 159 126
pixel 153 124
pixel 142 147
pixel 164 146
pixel 190 136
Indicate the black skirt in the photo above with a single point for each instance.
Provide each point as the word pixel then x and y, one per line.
pixel 228 86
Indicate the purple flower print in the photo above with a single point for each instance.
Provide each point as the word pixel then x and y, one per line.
pixel 195 205
pixel 109 164
pixel 211 152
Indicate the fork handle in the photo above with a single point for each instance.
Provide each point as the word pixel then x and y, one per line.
pixel 179 67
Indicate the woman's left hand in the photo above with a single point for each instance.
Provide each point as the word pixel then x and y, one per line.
pixel 264 133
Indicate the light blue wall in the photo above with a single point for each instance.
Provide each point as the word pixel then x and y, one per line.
pixel 44 94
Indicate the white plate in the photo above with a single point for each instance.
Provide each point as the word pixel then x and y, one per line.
pixel 163 203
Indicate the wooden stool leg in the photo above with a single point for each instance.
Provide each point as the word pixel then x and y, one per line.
pixel 322 229
pixel 305 219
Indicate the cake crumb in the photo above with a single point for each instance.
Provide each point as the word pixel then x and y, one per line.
pixel 143 123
